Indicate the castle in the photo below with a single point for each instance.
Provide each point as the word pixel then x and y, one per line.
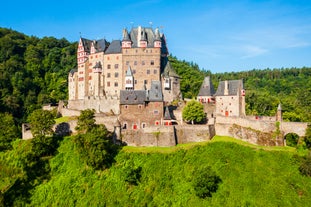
pixel 131 84
pixel 131 71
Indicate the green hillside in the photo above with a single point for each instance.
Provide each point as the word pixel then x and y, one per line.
pixel 250 176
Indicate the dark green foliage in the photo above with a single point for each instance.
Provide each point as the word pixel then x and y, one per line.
pixel 193 112
pixel 8 131
pixel 305 167
pixel 86 120
pixel 307 138
pixel 41 122
pixel 205 182
pixel 133 175
pixel 95 147
pixel 33 71
pixel 292 139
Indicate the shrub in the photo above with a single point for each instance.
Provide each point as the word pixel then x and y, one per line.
pixel 205 182
pixel 305 167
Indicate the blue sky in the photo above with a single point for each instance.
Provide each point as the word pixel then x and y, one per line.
pixel 220 36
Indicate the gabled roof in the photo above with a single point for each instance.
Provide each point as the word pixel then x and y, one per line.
pixel 155 92
pixel 132 97
pixel 207 88
pixel 114 47
pixel 234 87
pixel 169 71
pixel 167 114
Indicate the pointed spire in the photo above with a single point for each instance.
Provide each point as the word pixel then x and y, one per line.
pixel 157 35
pixel 129 72
pixel 126 36
pixel 167 114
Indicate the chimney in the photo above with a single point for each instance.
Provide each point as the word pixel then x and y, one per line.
pixel 226 91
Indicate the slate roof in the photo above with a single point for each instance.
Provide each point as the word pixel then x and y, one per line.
pixel 169 70
pixel 114 47
pixel 86 44
pixel 98 65
pixel 129 72
pixel 207 88
pixel 234 86
pixel 167 114
pixel 72 71
pixel 132 97
pixel 101 45
pixel 155 92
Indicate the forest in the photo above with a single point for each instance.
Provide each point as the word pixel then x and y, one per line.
pixel 88 170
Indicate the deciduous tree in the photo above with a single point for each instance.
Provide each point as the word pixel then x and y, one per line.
pixel 193 112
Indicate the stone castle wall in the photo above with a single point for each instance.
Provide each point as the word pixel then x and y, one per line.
pixel 167 135
pixel 104 105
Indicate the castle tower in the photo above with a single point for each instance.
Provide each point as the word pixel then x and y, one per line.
pixel 279 113
pixel 97 70
pixel 126 41
pixel 129 79
pixel 157 39
pixel 206 91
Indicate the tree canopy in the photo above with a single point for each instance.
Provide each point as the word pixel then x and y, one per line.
pixel 41 122
pixel 193 112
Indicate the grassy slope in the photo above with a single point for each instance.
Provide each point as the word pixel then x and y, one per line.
pixel 251 176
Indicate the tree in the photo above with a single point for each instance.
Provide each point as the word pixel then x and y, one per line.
pixel 41 122
pixel 96 147
pixel 205 182
pixel 86 120
pixel 307 138
pixel 193 112
pixel 8 131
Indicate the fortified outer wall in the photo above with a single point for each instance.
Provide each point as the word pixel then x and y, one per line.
pixel 294 127
pixel 167 135
pixel 100 105
pixel 250 130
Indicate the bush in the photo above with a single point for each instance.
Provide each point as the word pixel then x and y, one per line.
pixel 305 167
pixel 205 182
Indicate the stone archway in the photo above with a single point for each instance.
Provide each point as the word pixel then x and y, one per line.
pixel 291 139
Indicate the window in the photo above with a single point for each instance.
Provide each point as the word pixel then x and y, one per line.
pixel 143 62
pixel 143 125
pixel 135 81
pixel 148 72
pixel 124 126
pixel 134 71
pixel 126 106
pixel 108 75
pixel 116 75
pixel 140 106
pixel 155 112
pixel 108 84
pixel 115 84
pixel 127 62
pixel 135 62
pixel 128 81
pixel 152 62
pixel 116 66
pixel 108 66
pixel 155 71
pixel 145 81
pixel 108 58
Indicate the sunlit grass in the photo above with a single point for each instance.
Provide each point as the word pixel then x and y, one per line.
pixel 65 119
pixel 155 149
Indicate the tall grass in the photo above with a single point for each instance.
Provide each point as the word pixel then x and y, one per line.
pixel 251 176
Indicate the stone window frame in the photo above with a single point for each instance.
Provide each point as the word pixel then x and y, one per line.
pixel 148 71
pixel 155 71
pixel 108 66
pixel 151 62
pixel 116 66
pixel 156 112
pixel 116 84
pixel 116 74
